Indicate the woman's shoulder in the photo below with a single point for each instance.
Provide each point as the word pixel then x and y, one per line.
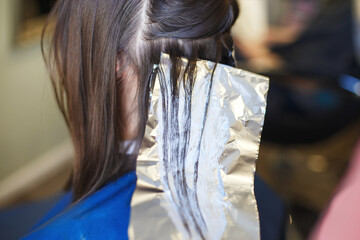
pixel 104 214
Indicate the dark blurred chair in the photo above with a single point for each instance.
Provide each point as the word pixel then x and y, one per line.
pixel 16 221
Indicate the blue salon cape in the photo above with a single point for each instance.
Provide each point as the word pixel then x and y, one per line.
pixel 106 214
pixel 103 215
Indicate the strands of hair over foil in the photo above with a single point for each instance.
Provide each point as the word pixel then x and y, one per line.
pixel 90 36
pixel 176 139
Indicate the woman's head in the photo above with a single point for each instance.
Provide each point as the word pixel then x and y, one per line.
pixel 102 48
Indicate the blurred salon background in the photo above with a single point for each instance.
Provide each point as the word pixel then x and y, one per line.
pixel 310 50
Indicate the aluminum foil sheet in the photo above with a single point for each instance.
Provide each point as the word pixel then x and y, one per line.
pixel 197 161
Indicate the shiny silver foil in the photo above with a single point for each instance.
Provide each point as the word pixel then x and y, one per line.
pixel 196 171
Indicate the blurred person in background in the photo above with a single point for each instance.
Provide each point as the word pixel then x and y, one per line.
pixel 309 51
pixel 340 218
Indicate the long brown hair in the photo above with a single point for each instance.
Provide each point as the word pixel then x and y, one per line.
pixel 88 38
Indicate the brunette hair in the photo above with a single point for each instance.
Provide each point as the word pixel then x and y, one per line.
pixel 90 36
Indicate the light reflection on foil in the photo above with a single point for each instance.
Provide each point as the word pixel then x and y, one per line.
pixel 198 184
